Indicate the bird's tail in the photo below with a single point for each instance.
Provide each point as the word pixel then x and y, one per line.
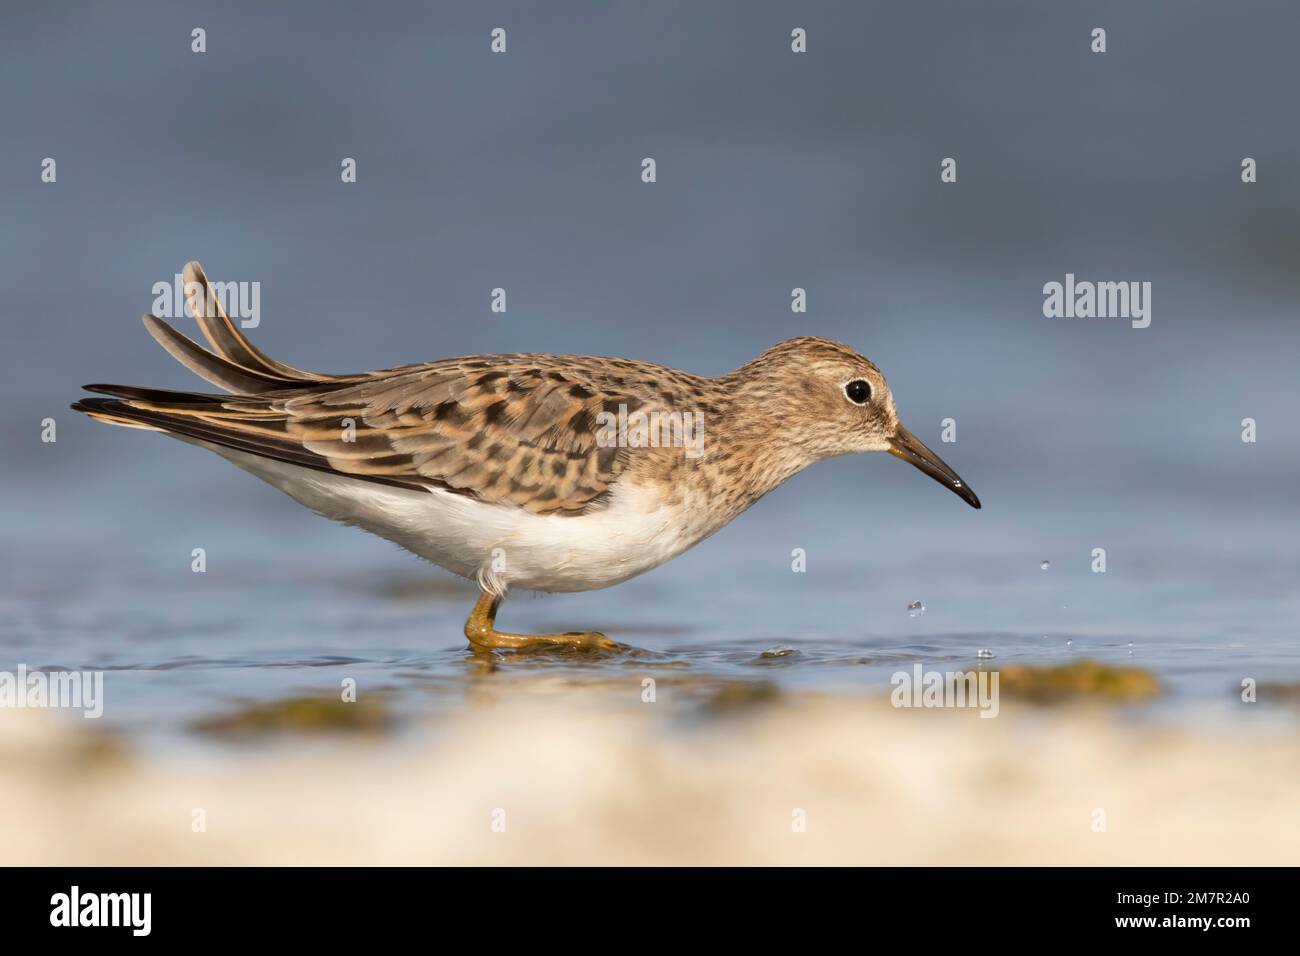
pixel 252 419
pixel 233 364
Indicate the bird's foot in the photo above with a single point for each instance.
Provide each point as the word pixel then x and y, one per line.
pixel 483 635
pixel 592 641
pixel 583 642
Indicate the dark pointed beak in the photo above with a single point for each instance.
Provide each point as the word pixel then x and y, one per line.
pixel 908 447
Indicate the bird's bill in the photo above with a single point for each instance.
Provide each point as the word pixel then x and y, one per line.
pixel 908 447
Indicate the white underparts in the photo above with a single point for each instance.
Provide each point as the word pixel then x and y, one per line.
pixel 499 546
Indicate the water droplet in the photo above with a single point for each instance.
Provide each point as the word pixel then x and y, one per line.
pixel 1045 565
pixel 1069 643
pixel 984 652
pixel 778 652
pixel 915 609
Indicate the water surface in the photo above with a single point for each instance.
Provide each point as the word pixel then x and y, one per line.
pixel 292 604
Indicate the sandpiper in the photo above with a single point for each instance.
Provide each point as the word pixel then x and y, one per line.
pixel 541 472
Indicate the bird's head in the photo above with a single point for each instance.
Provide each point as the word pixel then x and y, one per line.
pixel 836 402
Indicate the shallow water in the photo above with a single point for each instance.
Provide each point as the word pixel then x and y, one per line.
pixel 292 604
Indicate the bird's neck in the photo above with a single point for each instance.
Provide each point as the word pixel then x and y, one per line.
pixel 747 447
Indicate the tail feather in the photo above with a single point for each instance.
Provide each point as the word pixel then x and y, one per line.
pixel 100 411
pixel 220 429
pixel 228 407
pixel 252 419
pixel 164 395
pixel 175 422
pixel 225 337
pixel 221 372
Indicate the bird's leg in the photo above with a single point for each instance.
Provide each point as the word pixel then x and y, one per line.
pixel 483 635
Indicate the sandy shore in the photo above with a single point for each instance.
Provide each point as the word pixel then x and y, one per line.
pixel 557 778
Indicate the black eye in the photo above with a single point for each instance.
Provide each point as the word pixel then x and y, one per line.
pixel 858 391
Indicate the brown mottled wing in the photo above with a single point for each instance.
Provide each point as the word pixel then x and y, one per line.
pixel 518 430
pixel 512 429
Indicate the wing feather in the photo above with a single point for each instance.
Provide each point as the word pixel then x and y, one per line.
pixel 504 436
pixel 517 430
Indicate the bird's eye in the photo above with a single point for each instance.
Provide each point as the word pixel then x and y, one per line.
pixel 858 391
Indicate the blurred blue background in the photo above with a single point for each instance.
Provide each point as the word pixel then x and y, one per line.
pixel 775 170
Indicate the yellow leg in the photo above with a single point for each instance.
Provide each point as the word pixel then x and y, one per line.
pixel 482 633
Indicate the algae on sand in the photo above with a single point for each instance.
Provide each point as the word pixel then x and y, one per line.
pixel 1084 679
pixel 309 714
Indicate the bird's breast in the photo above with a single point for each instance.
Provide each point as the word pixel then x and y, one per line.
pixel 638 528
